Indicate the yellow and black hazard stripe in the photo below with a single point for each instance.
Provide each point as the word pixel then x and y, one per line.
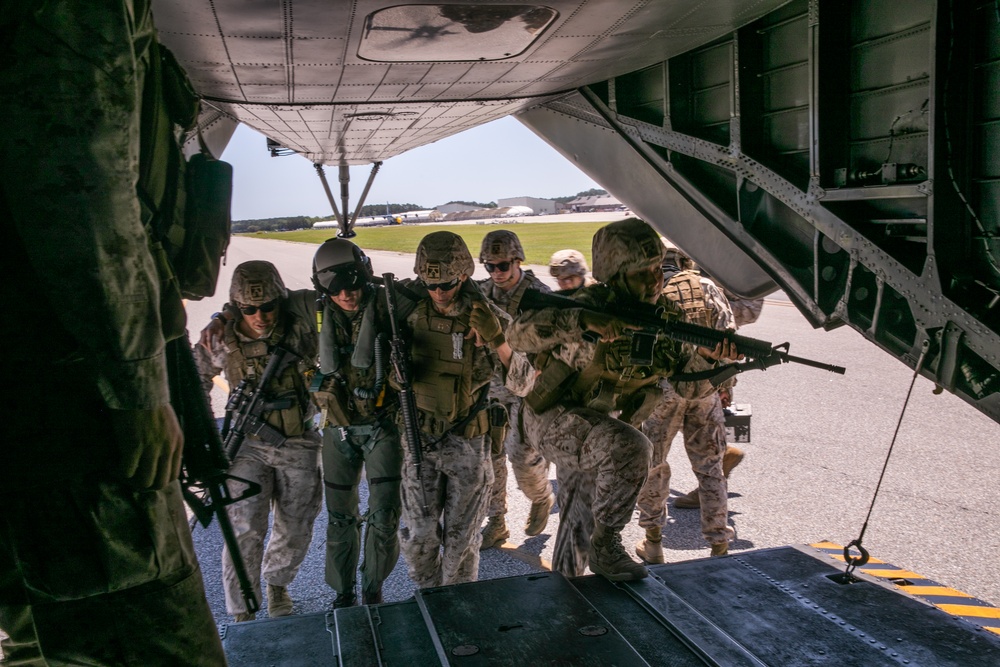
pixel 948 600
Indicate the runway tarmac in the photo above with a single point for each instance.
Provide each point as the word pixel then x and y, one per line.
pixel 819 442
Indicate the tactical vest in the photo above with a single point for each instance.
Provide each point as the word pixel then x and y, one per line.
pixel 442 371
pixel 247 359
pixel 684 289
pixel 609 382
pixel 353 357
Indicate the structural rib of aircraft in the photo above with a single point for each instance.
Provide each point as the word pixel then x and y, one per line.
pixel 845 151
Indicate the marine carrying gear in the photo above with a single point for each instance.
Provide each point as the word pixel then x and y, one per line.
pixel 338 265
pixel 500 245
pixel 625 246
pixel 256 282
pixel 443 257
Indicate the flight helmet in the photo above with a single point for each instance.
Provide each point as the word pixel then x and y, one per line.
pixel 338 265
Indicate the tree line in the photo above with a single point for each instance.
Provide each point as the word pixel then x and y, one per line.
pixel 367 211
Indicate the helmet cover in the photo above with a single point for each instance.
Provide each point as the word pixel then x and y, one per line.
pixel 256 282
pixel 501 245
pixel 623 246
pixel 567 262
pixel 443 257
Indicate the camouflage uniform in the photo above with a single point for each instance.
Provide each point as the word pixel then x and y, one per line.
pixel 601 462
pixel 449 372
pixel 91 571
pixel 359 432
pixel 693 408
pixel 289 475
pixel 531 470
pixel 745 311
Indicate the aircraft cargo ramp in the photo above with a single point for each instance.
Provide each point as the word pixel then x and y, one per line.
pixel 783 606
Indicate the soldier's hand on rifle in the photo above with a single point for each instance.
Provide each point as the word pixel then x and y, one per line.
pixel 725 350
pixel 606 326
pixel 485 325
pixel 150 443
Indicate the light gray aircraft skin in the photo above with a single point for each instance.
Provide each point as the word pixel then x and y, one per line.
pixel 844 152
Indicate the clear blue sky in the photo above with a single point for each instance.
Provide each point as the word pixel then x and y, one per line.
pixel 494 161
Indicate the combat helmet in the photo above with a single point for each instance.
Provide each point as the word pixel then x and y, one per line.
pixel 500 245
pixel 625 246
pixel 338 265
pixel 443 257
pixel 256 282
pixel 567 262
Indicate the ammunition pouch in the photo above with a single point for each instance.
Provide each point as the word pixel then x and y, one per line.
pixel 499 426
pixel 550 386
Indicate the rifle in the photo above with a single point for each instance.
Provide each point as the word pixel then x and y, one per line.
pixel 651 322
pixel 203 477
pixel 400 359
pixel 246 407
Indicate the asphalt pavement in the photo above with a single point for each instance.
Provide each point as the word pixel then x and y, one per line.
pixel 818 445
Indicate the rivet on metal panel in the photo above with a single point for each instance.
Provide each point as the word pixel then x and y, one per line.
pixel 593 630
pixel 465 649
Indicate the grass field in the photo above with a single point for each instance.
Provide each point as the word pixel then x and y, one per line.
pixel 539 240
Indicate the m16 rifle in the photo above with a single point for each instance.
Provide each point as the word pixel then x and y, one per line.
pixel 400 359
pixel 246 406
pixel 203 477
pixel 650 322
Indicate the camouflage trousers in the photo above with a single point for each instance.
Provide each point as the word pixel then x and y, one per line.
pixel 94 573
pixel 531 470
pixel 703 424
pixel 441 545
pixel 601 463
pixel 380 455
pixel 291 485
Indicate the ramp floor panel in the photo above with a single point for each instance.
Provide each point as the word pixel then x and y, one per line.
pixel 784 606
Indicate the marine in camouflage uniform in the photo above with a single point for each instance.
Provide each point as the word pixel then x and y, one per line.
pixel 569 268
pixel 693 408
pixel 601 461
pixel 457 345
pixel 96 560
pixel 359 411
pixel 502 254
pixel 289 474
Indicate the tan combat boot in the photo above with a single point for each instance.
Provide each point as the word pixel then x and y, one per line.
pixel 649 549
pixel 608 557
pixel 244 616
pixel 495 532
pixel 732 458
pixel 722 548
pixel 538 517
pixel 279 602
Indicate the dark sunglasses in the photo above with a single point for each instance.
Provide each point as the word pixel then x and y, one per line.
pixel 444 287
pixel 264 308
pixel 499 266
